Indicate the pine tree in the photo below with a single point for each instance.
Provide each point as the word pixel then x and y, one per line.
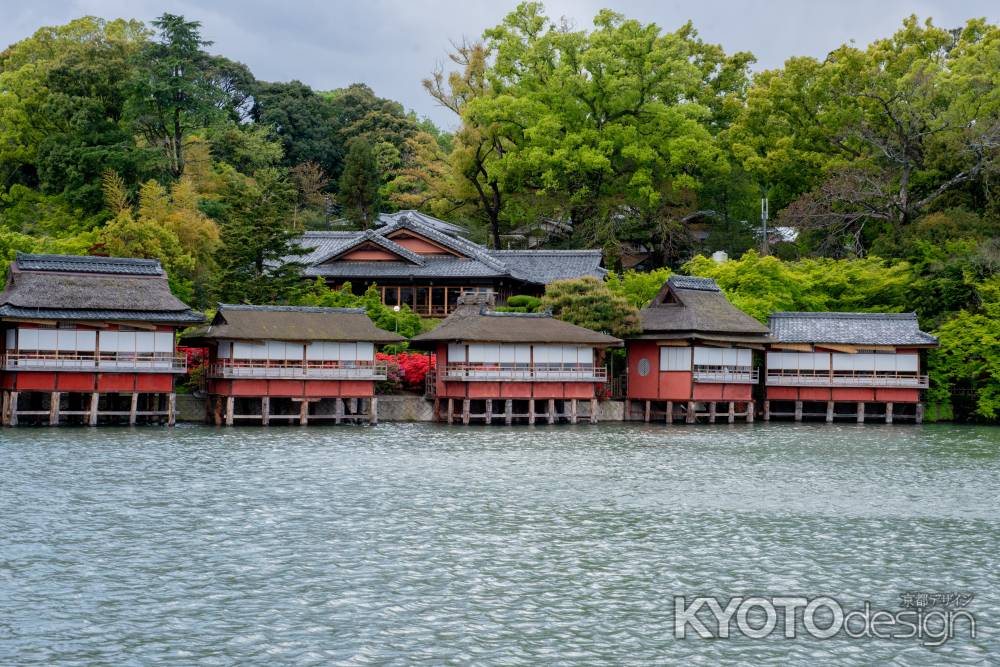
pixel 359 184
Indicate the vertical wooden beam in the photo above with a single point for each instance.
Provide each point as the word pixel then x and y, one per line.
pixel 861 412
pixel 465 410
pixel 12 418
pixel 732 411
pixel 647 412
pixel 133 408
pixel 888 413
pixel 218 411
pixel 593 411
pixel 531 411
pixel 265 410
pixel 750 411
pixel 373 410
pixel 690 416
pixel 4 408
pixel 767 411
pixel 489 411
pixel 95 399
pixel 829 412
pixel 627 412
pixel 54 398
pixel 437 409
pixel 711 412
pixel 304 413
pixel 920 413
pixel 798 411
pixel 451 411
pixel 572 411
pixel 669 417
pixel 230 407
pixel 552 411
pixel 352 405
pixel 338 410
pixel 508 413
pixel 171 409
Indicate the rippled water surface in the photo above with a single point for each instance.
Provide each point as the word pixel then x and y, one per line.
pixel 405 544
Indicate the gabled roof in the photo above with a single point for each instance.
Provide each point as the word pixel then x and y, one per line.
pixel 378 239
pixel 689 306
pixel 435 223
pixel 475 261
pixel 292 323
pixel 64 287
pixel 850 329
pixel 475 321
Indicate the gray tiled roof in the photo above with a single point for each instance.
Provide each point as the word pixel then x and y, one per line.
pixel 688 305
pixel 850 328
pixel 167 317
pixel 371 236
pixel 532 266
pixel 87 264
pixel 439 225
pixel 693 282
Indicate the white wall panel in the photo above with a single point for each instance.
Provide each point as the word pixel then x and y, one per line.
pixel 507 354
pixel 225 349
pixel 47 339
pixel 456 353
pixel 86 341
pixel 885 362
pixel 145 342
pixel 28 339
pixel 907 363
pixel 366 352
pixel 675 358
pixel 11 339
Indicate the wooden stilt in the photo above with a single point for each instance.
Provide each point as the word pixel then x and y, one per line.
pixel 230 406
pixel 572 411
pixel 451 411
pixel 767 411
pixel 711 412
pixel 265 410
pixel 437 409
pixel 338 411
pixel 627 412
pixel 5 408
pixel 888 413
pixel 54 408
pixel 829 412
pixel 750 411
pixel 95 399
pixel 732 411
pixel 217 410
pixel 12 416
pixel 531 411
pixel 304 413
pixel 133 408
pixel 508 412
pixel 690 417
pixel 920 413
pixel 489 411
pixel 373 410
pixel 647 412
pixel 861 413
pixel 669 418
pixel 352 405
pixel 171 409
pixel 552 411
pixel 798 411
pixel 465 411
pixel 593 411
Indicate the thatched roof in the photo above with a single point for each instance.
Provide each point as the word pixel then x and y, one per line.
pixel 64 287
pixel 292 323
pixel 851 329
pixel 689 307
pixel 475 321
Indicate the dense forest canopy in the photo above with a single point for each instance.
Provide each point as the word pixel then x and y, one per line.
pixel 879 162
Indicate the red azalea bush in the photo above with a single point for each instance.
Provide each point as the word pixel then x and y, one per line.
pixel 406 370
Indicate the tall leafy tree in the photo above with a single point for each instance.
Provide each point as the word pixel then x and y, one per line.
pixel 358 189
pixel 303 121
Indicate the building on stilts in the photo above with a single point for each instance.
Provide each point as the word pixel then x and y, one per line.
pixel 89 340
pixel 694 358
pixel 291 364
pixel 850 366
pixel 502 367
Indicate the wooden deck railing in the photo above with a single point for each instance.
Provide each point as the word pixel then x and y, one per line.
pixel 525 372
pixel 150 362
pixel 298 369
pixel 799 378
pixel 726 374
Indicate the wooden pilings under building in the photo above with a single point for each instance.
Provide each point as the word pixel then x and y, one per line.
pixel 87 408
pixel 689 412
pixel 861 412
pixel 520 411
pixel 268 410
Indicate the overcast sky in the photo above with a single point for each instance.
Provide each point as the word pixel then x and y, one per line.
pixel 392 44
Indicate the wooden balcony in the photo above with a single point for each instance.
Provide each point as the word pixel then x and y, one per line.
pixel 298 369
pixel 791 378
pixel 111 362
pixel 725 374
pixel 524 373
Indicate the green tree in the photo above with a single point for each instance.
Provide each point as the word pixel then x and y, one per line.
pixel 587 302
pixel 405 322
pixel 303 121
pixel 358 189
pixel 257 258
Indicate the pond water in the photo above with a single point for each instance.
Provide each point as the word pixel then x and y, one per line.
pixel 403 544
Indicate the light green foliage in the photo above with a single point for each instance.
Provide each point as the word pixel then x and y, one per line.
pixel 638 287
pixel 587 302
pixel 405 322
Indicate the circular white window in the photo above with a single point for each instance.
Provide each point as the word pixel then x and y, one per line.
pixel 643 367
